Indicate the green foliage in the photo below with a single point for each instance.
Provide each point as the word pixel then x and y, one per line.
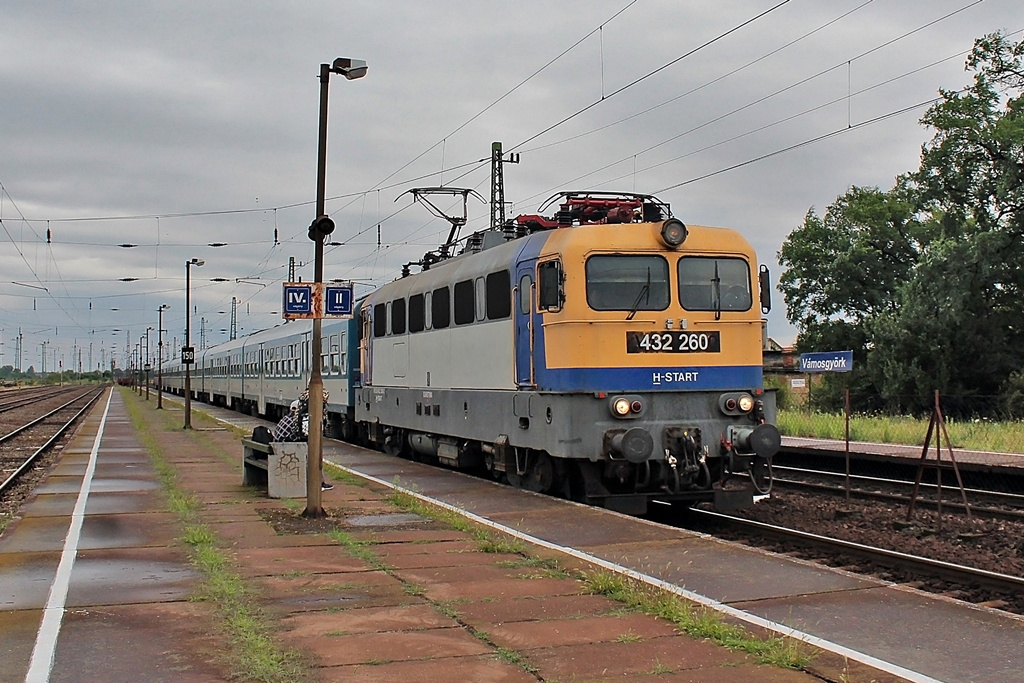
pixel 924 281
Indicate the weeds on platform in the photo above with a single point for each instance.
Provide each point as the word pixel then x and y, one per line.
pixel 402 497
pixel 254 654
pixel 696 621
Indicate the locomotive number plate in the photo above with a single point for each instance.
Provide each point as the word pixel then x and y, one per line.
pixel 673 342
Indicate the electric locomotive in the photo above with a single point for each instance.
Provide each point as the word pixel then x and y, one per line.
pixel 608 353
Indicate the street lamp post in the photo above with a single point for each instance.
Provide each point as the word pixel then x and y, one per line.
pixel 160 357
pixel 146 365
pixel 321 227
pixel 188 353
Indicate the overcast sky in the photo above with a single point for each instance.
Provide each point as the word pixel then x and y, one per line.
pixel 176 125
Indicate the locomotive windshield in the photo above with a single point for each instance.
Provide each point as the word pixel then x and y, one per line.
pixel 714 284
pixel 627 283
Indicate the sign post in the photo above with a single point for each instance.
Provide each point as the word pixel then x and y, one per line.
pixel 831 361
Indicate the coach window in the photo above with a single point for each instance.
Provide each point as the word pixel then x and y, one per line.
pixel 380 320
pixel 627 283
pixel 440 308
pixel 417 314
pixel 714 284
pixel 398 316
pixel 335 355
pixel 499 303
pixel 550 294
pixel 464 308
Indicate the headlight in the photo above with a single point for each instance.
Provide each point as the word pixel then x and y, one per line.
pixel 736 403
pixel 621 406
pixel 627 407
pixel 673 232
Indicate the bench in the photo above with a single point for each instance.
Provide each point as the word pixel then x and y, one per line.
pixel 279 466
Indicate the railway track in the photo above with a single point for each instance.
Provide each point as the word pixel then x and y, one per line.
pixel 985 502
pixel 955 574
pixel 21 447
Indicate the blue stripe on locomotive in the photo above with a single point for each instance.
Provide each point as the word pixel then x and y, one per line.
pixel 706 378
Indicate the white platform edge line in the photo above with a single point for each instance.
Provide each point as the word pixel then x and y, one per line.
pixel 753 619
pixel 53 614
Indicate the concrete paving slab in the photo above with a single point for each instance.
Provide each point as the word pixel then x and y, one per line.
pixel 392 550
pixel 482 615
pixel 133 575
pixel 300 560
pixel 594 661
pixel 332 591
pixel 719 569
pixel 19 629
pixel 301 627
pixel 578 527
pixel 164 641
pixel 866 620
pixel 448 559
pixel 481 590
pixel 478 669
pixel 26 579
pixel 365 648
pixel 531 635
pixel 72 485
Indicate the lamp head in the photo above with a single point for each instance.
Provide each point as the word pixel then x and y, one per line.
pixel 197 262
pixel 349 68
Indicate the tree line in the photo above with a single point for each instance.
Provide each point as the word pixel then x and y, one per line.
pixel 925 280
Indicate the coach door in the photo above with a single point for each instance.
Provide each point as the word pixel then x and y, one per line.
pixel 524 307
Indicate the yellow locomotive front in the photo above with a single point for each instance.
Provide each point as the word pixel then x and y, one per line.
pixel 654 328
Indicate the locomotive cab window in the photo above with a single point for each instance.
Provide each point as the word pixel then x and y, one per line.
pixel 627 283
pixel 550 295
pixel 714 284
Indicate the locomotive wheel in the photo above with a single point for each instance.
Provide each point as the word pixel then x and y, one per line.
pixel 539 476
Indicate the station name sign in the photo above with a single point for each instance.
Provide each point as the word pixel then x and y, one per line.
pixel 309 300
pixel 827 361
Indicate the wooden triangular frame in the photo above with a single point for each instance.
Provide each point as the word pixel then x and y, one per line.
pixel 938 426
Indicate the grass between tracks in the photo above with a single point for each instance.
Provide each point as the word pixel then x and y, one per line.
pixel 253 653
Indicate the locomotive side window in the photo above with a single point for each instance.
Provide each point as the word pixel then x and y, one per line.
pixel 380 320
pixel 525 287
pixel 549 283
pixel 417 317
pixel 398 316
pixel 480 298
pixel 440 311
pixel 714 284
pixel 627 283
pixel 464 306
pixel 499 303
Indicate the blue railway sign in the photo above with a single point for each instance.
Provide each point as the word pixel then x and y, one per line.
pixel 338 300
pixel 298 299
pixel 827 361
